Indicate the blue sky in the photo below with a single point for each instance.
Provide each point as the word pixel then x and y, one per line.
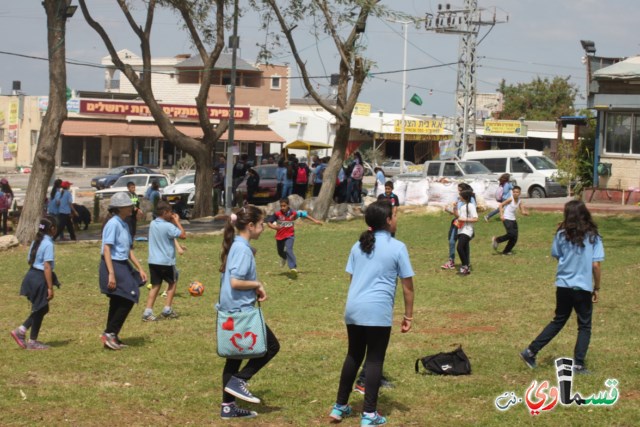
pixel 542 38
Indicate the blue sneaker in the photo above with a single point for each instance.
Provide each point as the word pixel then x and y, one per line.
pixel 372 420
pixel 238 388
pixel 231 411
pixel 338 412
pixel 529 358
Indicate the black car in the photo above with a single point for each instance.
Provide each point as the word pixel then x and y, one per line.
pixel 107 180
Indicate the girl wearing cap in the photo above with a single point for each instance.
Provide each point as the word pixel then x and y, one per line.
pixel 6 199
pixel 64 202
pixel 118 279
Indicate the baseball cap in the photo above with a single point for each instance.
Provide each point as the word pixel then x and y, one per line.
pixel 120 200
pixel 65 184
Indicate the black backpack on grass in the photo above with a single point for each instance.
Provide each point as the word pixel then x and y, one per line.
pixel 452 363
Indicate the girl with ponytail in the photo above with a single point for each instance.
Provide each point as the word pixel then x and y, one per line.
pixel 375 262
pixel 37 285
pixel 240 289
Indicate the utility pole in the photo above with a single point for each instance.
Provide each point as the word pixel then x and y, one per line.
pixel 466 22
pixel 232 120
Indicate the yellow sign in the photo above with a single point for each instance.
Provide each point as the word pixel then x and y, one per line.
pixel 504 127
pixel 410 137
pixel 362 109
pixel 424 127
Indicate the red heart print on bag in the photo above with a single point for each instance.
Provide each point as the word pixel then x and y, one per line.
pixel 228 324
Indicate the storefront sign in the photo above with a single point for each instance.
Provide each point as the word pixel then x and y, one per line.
pixel 6 154
pixel 425 127
pixel 120 108
pixel 1 118
pixel 505 127
pixel 362 109
pixel 73 104
pixel 13 124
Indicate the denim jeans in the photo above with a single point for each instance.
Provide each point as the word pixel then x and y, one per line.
pixel 567 300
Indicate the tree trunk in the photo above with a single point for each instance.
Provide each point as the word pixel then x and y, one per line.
pixel 203 182
pixel 44 161
pixel 323 202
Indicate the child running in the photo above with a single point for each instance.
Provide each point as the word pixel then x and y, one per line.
pixel 508 210
pixel 240 289
pixel 375 262
pixel 282 221
pixel 578 248
pixel 37 285
pixel 454 210
pixel 391 197
pixel 467 216
pixel 163 232
pixel 118 280
pixel 502 194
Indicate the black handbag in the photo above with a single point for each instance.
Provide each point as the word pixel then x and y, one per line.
pixel 452 363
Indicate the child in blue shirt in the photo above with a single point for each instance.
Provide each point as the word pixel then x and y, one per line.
pixel 452 236
pixel 578 248
pixel 375 263
pixel 118 280
pixel 240 288
pixel 503 193
pixel 162 259
pixel 37 285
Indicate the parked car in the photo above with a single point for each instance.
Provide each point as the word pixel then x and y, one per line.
pixel 181 195
pixel 268 187
pixel 142 182
pixel 530 169
pixel 107 180
pixel 392 167
pixel 457 169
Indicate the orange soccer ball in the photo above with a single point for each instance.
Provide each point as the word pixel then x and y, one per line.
pixel 196 288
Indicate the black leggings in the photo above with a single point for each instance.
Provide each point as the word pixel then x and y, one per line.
pixel 34 321
pixel 119 309
pixel 232 366
pixel 464 251
pixel 372 341
pixel 65 220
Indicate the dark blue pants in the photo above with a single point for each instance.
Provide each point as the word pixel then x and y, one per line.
pixel 568 299
pixel 511 237
pixel 232 366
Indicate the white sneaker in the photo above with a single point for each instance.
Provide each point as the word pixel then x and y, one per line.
pixel 283 261
pixel 494 243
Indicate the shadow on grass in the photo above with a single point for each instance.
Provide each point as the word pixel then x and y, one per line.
pixel 266 409
pixel 135 341
pixel 59 343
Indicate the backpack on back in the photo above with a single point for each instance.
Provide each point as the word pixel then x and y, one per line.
pixel 4 201
pixel 301 176
pixel 358 171
pixel 452 363
pixel 499 193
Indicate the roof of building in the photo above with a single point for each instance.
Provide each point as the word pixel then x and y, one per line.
pixel 625 70
pixel 223 63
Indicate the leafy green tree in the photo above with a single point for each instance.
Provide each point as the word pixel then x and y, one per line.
pixel 343 21
pixel 204 23
pixel 541 99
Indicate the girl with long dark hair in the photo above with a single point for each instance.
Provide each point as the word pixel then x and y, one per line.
pixel 240 289
pixel 7 201
pixel 375 262
pixel 578 248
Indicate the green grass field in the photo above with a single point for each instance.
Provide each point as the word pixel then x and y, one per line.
pixel 170 375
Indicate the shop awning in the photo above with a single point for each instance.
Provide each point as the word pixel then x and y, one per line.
pixel 97 128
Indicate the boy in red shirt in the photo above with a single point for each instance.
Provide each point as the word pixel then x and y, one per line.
pixel 282 221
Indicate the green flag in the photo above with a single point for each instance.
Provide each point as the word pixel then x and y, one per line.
pixel 416 99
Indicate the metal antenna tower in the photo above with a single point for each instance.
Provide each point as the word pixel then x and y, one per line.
pixel 466 22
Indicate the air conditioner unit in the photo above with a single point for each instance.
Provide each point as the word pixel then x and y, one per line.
pixel 302 120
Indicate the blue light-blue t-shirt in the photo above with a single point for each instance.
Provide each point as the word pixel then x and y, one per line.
pixel 380 177
pixel 318 173
pixel 281 175
pixel 575 269
pixel 162 250
pixel 45 253
pixel 52 206
pixel 241 264
pixel 64 198
pixel 373 282
pixel 506 190
pixel 116 233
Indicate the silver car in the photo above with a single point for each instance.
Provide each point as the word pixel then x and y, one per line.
pixel 392 167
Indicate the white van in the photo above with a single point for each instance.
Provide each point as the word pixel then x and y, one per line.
pixel 531 170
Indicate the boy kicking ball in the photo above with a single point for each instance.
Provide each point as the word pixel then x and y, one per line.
pixel 162 259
